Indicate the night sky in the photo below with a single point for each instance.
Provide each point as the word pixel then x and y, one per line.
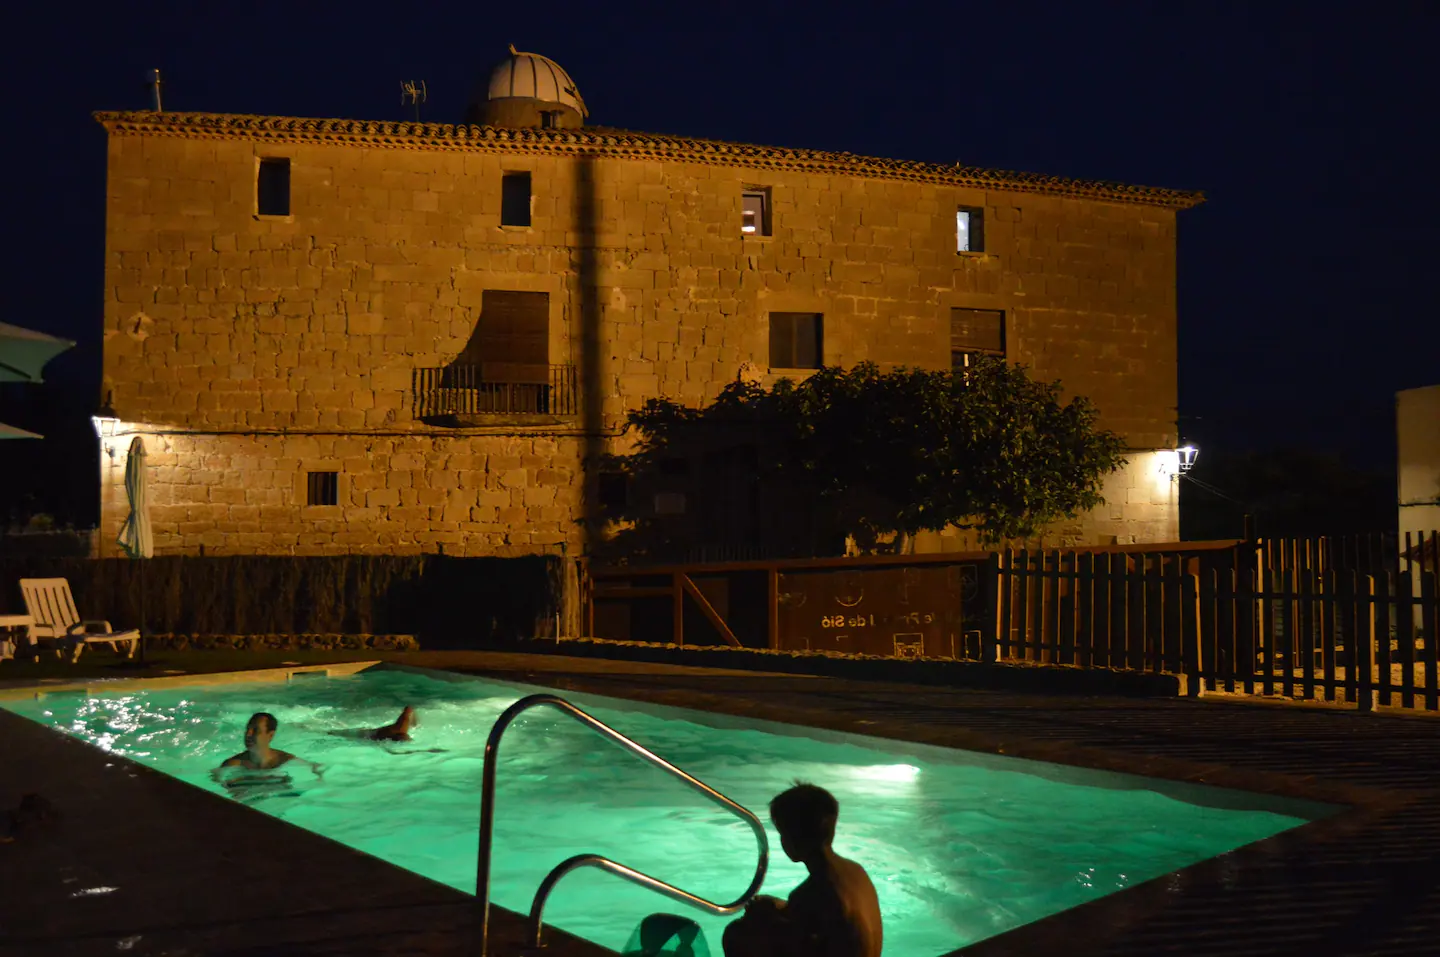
pixel 1311 127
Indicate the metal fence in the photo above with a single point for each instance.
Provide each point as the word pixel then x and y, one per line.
pixel 463 390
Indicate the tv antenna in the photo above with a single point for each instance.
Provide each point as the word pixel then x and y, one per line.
pixel 413 93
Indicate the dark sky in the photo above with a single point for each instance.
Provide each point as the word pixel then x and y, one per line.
pixel 1310 126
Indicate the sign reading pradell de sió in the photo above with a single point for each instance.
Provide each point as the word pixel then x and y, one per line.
pixel 907 611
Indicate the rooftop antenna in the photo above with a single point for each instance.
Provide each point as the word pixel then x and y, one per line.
pixel 413 93
pixel 154 86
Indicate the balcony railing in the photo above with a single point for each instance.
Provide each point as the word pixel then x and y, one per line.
pixel 462 390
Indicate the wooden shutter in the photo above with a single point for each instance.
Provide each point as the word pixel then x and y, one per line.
pixel 977 330
pixel 512 341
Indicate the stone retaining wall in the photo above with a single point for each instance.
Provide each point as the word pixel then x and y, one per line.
pixel 282 642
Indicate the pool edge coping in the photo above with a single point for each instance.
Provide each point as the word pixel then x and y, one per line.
pixel 89 685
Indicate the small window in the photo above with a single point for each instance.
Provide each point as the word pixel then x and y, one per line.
pixel 975 332
pixel 970 229
pixel 515 199
pixel 614 491
pixel 796 340
pixel 549 119
pixel 272 187
pixel 322 488
pixel 755 218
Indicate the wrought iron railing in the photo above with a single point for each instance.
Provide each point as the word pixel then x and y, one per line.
pixel 462 390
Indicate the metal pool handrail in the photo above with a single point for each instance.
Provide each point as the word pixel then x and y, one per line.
pixel 487 825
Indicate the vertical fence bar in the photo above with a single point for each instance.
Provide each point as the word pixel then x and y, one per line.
pixel 1287 623
pixel 1209 630
pixel 1250 613
pixel 1101 614
pixel 1049 644
pixel 1174 628
pixel 1267 630
pixel 1405 636
pixel 1070 626
pixel 1305 622
pixel 1365 641
pixel 1429 613
pixel 677 608
pixel 1135 614
pixel 1085 608
pixel 1006 603
pixel 1193 663
pixel 1328 607
pixel 1020 613
pixel 1380 608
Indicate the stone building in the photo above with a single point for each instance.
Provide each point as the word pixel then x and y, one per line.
pixel 343 336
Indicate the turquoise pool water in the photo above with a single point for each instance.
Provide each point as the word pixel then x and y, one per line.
pixel 961 846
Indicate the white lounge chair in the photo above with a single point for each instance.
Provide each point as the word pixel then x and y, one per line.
pixel 57 623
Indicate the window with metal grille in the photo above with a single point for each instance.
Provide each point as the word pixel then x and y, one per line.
pixel 975 332
pixel 969 229
pixel 755 211
pixel 796 340
pixel 515 199
pixel 322 488
pixel 272 187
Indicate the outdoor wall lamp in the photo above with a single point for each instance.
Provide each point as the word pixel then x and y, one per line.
pixel 104 425
pixel 1187 454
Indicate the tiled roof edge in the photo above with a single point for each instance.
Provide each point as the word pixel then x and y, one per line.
pixel 644 146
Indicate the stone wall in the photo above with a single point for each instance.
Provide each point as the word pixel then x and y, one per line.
pixel 398 494
pixel 267 346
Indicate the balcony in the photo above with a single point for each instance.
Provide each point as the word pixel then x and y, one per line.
pixel 465 391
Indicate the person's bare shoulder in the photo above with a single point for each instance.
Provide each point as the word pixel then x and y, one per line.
pixel 285 757
pixel 238 761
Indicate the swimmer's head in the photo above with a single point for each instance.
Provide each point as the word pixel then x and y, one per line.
pixel 260 729
pixel 805 816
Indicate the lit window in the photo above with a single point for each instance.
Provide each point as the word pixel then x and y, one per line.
pixel 974 333
pixel 272 187
pixel 755 219
pixel 796 340
pixel 970 229
pixel 515 199
pixel 322 488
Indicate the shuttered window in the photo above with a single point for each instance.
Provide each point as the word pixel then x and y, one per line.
pixel 512 338
pixel 975 332
pixel 796 340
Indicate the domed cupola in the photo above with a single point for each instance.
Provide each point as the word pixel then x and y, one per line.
pixel 527 89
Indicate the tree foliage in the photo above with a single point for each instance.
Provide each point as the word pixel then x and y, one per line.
pixel 907 450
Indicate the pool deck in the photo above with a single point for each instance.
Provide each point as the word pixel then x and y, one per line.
pixel 197 874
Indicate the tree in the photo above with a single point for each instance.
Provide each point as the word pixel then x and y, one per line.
pixel 908 450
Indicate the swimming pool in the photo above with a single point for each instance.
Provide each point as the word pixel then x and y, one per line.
pixel 961 846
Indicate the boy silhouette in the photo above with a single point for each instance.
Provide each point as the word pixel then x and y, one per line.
pixel 833 913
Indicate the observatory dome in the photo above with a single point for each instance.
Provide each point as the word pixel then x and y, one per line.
pixel 527 89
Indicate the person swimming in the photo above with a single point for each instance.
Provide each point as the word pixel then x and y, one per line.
pixel 259 756
pixel 399 730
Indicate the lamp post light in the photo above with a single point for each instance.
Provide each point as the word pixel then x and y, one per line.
pixel 1187 454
